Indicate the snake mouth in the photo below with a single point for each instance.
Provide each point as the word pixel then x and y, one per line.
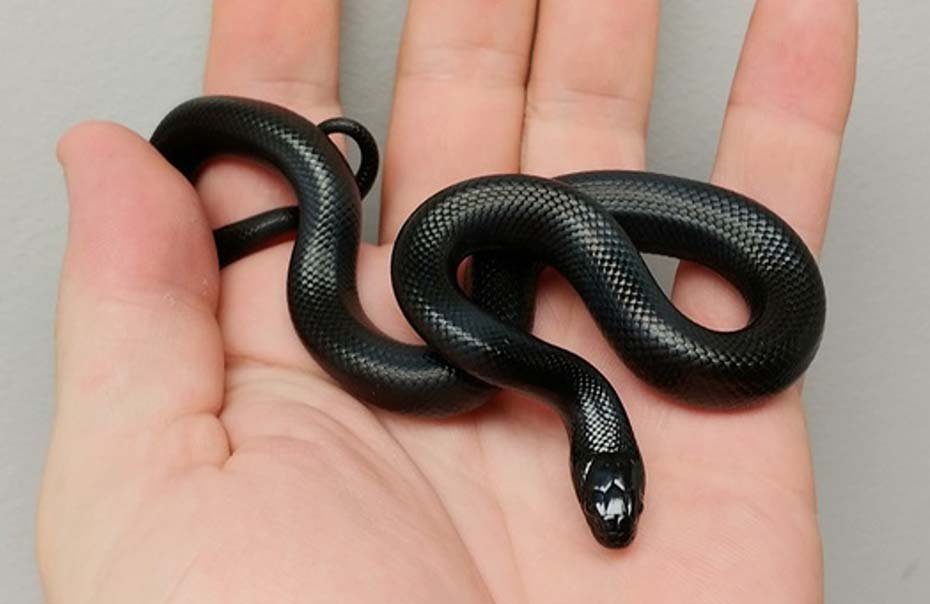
pixel 612 498
pixel 614 533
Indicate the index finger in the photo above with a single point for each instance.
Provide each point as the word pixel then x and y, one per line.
pixel 285 52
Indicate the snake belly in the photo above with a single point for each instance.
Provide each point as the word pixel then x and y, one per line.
pixel 591 227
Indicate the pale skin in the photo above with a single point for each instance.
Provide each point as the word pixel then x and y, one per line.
pixel 198 453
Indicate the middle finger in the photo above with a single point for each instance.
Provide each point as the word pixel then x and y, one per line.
pixel 458 101
pixel 591 86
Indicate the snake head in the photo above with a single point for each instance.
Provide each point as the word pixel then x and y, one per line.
pixel 611 494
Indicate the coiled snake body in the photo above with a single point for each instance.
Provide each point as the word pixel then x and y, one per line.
pixel 591 227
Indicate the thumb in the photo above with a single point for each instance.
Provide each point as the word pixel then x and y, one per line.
pixel 138 343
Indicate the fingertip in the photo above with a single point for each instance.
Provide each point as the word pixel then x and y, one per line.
pixel 800 59
pixel 92 138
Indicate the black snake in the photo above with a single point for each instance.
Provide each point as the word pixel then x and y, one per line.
pixel 591 227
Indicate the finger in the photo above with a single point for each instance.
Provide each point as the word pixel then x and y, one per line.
pixel 138 343
pixel 590 86
pixel 285 52
pixel 782 133
pixel 459 95
pixel 587 107
pixel 780 143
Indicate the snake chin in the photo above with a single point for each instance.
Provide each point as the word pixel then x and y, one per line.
pixel 612 497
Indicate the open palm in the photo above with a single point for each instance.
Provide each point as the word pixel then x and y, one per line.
pixel 199 455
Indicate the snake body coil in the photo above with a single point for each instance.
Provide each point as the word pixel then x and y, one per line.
pixel 591 227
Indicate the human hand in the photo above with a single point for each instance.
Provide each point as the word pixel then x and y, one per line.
pixel 199 455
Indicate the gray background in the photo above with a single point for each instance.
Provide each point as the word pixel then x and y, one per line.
pixel 131 60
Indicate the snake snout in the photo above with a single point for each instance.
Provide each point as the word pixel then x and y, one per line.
pixel 612 498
